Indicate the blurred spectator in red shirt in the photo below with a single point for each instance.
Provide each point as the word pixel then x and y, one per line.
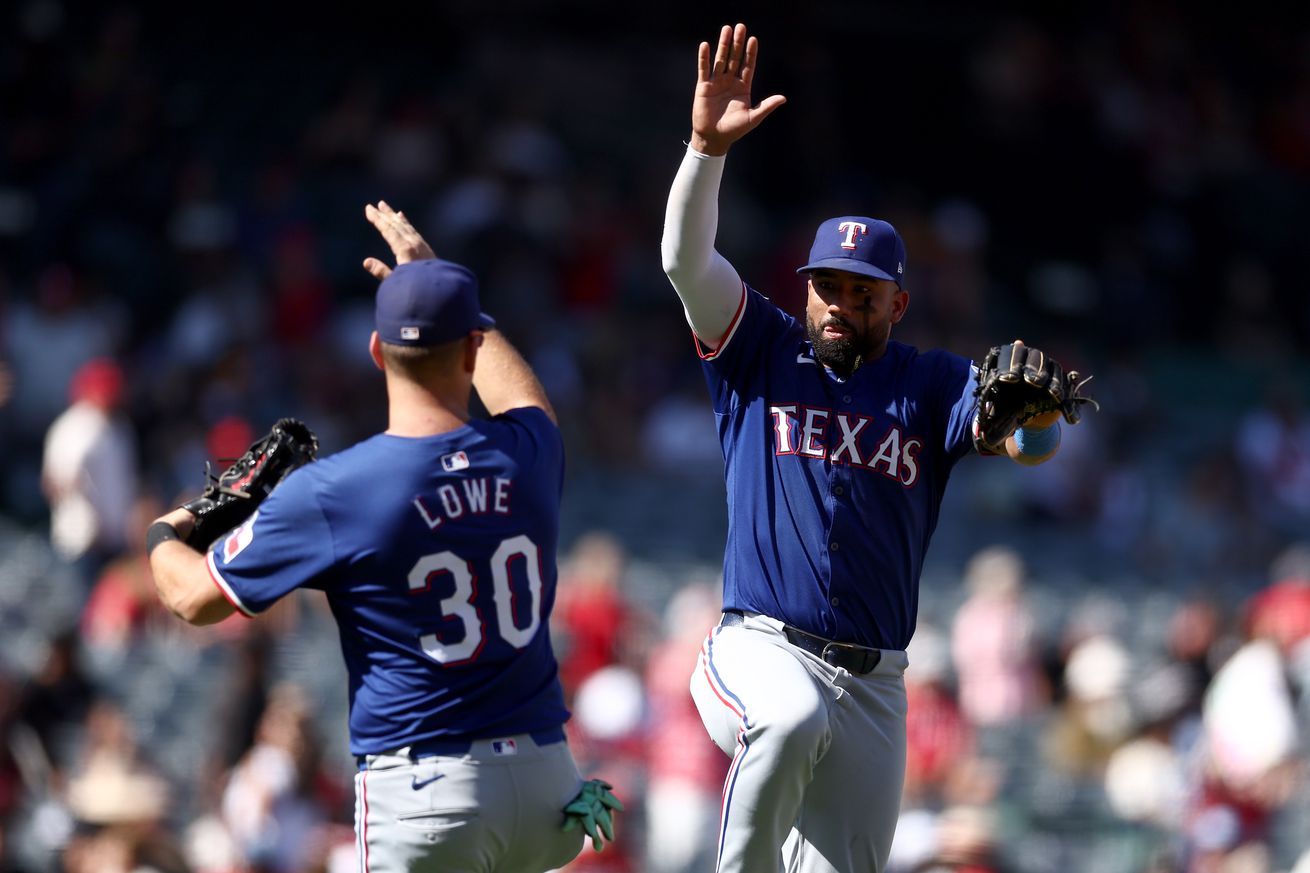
pixel 1281 612
pixel 608 737
pixel 123 601
pixel 938 738
pixel 591 613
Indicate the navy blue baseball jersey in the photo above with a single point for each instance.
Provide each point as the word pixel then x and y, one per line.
pixel 437 555
pixel 833 486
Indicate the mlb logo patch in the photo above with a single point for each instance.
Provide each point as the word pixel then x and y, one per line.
pixel 454 463
pixel 408 333
pixel 237 541
pixel 504 747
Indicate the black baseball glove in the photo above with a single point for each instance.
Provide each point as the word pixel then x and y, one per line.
pixel 230 497
pixel 1017 382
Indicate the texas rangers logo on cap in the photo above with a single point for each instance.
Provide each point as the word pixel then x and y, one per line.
pixel 858 244
pixel 851 228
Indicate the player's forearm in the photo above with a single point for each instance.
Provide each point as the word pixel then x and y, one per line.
pixel 708 285
pixel 503 379
pixel 183 584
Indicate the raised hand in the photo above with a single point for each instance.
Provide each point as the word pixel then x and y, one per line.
pixel 721 112
pixel 406 242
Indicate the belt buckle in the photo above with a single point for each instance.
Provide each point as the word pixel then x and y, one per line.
pixel 830 654
pixel 837 650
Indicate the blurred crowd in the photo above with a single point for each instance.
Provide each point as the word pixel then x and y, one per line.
pixel 181 233
pixel 1150 732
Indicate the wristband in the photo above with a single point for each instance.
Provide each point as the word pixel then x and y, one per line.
pixel 160 532
pixel 1037 442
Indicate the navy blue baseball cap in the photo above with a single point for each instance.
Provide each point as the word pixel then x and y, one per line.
pixel 427 303
pixel 858 244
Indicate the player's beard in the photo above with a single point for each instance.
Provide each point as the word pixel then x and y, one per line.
pixel 842 354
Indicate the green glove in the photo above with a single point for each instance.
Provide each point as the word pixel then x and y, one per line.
pixel 590 810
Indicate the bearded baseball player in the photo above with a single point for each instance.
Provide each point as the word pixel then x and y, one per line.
pixel 435 543
pixel 837 443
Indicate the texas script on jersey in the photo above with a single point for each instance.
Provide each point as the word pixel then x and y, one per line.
pixel 808 431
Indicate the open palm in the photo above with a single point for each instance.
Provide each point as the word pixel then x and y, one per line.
pixel 721 112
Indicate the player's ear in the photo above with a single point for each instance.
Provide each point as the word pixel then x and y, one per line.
pixel 375 350
pixel 808 279
pixel 900 303
pixel 471 345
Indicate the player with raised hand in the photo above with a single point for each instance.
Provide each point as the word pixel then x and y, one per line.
pixel 435 543
pixel 838 442
pixel 722 112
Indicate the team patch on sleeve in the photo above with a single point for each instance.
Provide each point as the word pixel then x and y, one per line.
pixel 236 542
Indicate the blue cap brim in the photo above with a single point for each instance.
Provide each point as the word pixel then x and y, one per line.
pixel 485 322
pixel 849 265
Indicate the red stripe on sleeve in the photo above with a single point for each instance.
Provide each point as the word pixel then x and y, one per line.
pixel 713 352
pixel 213 577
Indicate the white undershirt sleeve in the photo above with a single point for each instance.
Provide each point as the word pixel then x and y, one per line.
pixel 709 286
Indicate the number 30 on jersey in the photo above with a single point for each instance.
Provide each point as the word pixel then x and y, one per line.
pixel 460 604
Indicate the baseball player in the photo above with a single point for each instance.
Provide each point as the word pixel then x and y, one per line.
pixel 838 442
pixel 435 543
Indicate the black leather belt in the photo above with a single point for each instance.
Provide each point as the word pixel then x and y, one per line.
pixel 848 656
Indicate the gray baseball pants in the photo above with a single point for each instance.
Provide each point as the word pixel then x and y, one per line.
pixel 497 809
pixel 818 752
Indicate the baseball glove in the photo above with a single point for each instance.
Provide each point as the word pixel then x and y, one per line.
pixel 1017 382
pixel 230 497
